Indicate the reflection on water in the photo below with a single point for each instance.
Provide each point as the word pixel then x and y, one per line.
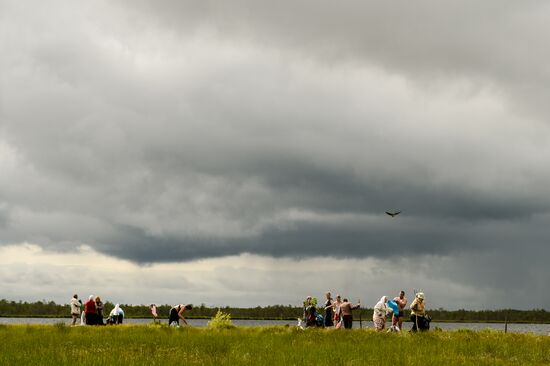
pixel 518 328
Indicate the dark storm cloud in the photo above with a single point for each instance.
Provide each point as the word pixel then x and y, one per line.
pixel 302 241
pixel 176 130
pixel 329 189
pixel 343 237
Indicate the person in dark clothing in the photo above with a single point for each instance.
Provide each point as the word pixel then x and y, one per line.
pixel 99 310
pixel 329 311
pixel 176 313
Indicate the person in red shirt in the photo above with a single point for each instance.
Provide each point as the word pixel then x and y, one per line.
pixel 90 311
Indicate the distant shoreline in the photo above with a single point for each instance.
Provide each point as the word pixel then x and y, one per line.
pixel 34 316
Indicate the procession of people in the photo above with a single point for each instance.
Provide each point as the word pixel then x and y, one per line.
pixel 337 313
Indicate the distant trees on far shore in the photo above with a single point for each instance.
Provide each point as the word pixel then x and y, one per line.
pixel 52 309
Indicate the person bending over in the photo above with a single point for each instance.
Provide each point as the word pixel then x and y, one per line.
pixel 176 313
pixel 116 316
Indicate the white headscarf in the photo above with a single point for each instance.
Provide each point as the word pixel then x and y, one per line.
pixel 382 303
pixel 381 308
pixel 116 310
pixel 91 297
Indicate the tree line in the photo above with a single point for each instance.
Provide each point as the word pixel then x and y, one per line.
pixel 52 309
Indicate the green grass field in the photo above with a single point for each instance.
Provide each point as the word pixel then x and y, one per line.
pixel 160 345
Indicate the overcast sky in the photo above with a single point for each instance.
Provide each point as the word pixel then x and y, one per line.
pixel 244 153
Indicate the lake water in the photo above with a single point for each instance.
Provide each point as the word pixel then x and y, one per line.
pixel 518 328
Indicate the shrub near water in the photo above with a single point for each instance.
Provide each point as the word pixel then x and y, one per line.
pixel 163 345
pixel 221 321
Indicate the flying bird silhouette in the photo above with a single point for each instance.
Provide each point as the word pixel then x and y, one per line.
pixel 393 214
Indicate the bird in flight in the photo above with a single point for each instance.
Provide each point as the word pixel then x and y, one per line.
pixel 393 214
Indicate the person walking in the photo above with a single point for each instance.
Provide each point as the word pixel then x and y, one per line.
pixel 379 314
pixel 418 313
pixel 397 319
pixel 153 309
pixel 347 315
pixel 76 306
pixel 337 317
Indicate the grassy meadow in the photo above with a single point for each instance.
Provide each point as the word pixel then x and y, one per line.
pixel 160 345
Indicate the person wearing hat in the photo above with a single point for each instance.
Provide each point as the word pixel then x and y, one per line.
pixel 418 313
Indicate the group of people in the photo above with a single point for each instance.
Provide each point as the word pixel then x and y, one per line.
pixel 338 313
pixel 419 318
pixel 92 314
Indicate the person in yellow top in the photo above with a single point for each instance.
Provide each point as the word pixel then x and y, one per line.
pixel 418 313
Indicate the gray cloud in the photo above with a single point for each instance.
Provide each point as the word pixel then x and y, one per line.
pixel 4 215
pixel 426 39
pixel 176 130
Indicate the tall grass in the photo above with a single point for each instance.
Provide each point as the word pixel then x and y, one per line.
pixel 162 345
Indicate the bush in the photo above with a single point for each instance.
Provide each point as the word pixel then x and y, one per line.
pixel 221 321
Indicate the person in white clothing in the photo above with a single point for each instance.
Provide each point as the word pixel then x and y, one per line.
pixel 76 304
pixel 116 316
pixel 379 313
